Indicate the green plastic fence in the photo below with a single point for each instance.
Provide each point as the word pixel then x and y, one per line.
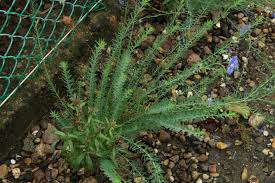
pixel 26 27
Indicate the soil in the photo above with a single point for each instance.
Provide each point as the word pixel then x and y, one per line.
pixel 197 156
pixel 232 151
pixel 34 100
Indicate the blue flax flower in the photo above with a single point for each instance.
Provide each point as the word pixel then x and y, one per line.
pixel 233 65
pixel 273 15
pixel 244 29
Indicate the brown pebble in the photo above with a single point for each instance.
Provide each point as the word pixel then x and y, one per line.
pixel 237 74
pixel 261 44
pixel 93 180
pixel 202 158
pixel 214 174
pixel 265 31
pixel 195 175
pixel 164 136
pixel 167 46
pixel 158 61
pixel 113 20
pixel 216 39
pixel 251 83
pixel 212 168
pixel 189 82
pixel 193 58
pixel 175 158
pixel 257 31
pixel 61 179
pixel 44 124
pixel 54 173
pixel 165 162
pixel 259 10
pixel 209 39
pixel 3 171
pixel 241 89
pixel 147 78
pixel 171 164
pixel 67 21
pixel 35 128
pixel 28 161
pixel 197 77
pixel 169 172
pixel 207 50
pixel 240 15
pixel 221 145
pixel 49 135
pixel 39 175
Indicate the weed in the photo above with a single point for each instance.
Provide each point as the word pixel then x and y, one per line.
pixel 103 113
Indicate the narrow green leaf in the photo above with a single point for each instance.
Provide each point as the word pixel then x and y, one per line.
pixel 109 170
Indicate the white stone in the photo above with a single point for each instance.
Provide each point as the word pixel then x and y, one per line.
pixel 245 59
pixel 35 132
pixel 235 39
pixel 189 94
pixel 172 179
pixel 16 172
pixel 265 133
pixel 225 56
pixel 13 161
pixel 179 92
pixel 109 49
pixel 241 89
pixel 266 151
pixel 205 176
pixel 158 142
pixel 199 180
pixel 223 85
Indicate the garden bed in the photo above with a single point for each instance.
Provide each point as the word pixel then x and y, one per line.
pixel 231 151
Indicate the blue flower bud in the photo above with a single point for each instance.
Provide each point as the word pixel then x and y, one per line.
pixel 244 29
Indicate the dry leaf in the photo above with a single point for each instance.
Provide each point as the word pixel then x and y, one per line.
pixel 244 175
pixel 221 145
pixel 239 108
pixel 67 21
pixel 273 143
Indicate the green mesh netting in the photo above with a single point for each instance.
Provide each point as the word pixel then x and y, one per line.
pixel 27 26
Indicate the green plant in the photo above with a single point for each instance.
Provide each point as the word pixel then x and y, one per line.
pixel 103 113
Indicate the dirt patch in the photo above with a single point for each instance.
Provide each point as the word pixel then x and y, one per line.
pixel 232 151
pixel 34 99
